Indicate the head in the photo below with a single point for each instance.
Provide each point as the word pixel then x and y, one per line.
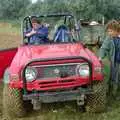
pixel 35 23
pixel 113 28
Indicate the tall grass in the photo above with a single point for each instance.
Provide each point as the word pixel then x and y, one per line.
pixel 12 27
pixel 10 34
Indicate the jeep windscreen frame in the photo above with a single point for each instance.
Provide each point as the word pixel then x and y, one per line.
pixel 67 19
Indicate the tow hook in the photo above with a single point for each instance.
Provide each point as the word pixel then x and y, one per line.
pixel 81 100
pixel 36 104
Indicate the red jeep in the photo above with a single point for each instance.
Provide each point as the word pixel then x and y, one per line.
pixel 56 71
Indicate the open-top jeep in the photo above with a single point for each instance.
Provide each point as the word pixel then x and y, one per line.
pixel 56 71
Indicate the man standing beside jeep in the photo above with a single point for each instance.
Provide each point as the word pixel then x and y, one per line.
pixel 38 34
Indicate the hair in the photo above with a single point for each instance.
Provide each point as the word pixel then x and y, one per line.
pixel 35 20
pixel 113 25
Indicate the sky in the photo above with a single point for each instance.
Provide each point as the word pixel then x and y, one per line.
pixel 34 1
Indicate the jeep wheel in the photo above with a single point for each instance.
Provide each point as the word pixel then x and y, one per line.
pixel 12 100
pixel 96 102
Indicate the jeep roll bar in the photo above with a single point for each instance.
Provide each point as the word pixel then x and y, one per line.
pixel 66 16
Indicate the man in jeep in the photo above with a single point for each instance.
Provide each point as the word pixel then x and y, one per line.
pixel 38 33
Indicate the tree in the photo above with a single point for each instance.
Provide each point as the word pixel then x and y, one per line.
pixel 85 9
pixel 13 9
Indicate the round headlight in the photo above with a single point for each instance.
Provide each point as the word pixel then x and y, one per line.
pixel 30 74
pixel 83 70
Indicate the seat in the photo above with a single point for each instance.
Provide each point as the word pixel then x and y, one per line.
pixel 62 34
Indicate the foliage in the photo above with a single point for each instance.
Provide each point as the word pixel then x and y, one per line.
pixel 85 9
pixel 13 9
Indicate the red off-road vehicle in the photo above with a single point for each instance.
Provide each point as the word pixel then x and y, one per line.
pixel 56 71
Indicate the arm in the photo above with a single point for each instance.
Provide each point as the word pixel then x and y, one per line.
pixel 104 50
pixel 42 32
pixel 28 34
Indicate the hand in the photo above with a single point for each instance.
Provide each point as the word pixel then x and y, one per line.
pixel 31 33
pixel 100 59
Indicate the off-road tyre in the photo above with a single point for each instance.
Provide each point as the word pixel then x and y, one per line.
pixel 96 102
pixel 13 105
pixel 12 102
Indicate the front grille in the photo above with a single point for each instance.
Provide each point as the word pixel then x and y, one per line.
pixel 55 71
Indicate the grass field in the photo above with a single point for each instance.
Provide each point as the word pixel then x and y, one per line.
pixel 10 37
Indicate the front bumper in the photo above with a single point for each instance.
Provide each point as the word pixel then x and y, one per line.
pixel 49 97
